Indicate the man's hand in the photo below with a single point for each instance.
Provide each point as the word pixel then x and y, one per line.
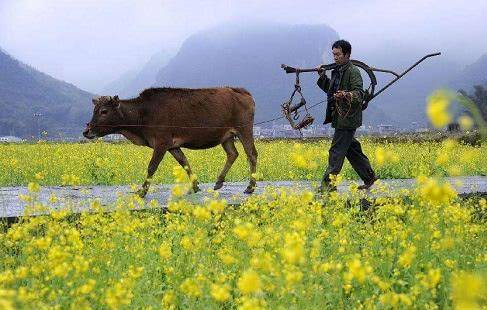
pixel 320 69
pixel 340 94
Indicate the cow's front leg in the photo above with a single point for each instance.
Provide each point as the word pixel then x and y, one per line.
pixel 157 156
pixel 183 161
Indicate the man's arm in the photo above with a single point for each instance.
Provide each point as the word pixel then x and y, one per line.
pixel 356 87
pixel 323 81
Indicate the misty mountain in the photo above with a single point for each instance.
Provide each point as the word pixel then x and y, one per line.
pixel 250 56
pixel 474 74
pixel 405 101
pixel 61 108
pixel 119 85
pixel 135 81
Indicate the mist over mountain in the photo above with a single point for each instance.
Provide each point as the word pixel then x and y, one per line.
pixel 91 43
pixel 136 80
pixel 250 56
pixel 404 102
pixel 119 85
pixel 32 101
pixel 238 55
pixel 474 74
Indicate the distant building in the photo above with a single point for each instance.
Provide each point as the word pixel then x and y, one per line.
pixel 323 131
pixel 10 139
pixel 286 131
pixel 113 137
pixel 384 129
pixel 257 131
pixel 362 129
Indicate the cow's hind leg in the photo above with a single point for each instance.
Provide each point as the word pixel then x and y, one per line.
pixel 232 154
pixel 247 139
pixel 157 156
pixel 183 161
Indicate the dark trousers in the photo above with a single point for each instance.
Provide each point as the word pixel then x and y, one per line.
pixel 344 145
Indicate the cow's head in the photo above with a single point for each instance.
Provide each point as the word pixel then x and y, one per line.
pixel 106 117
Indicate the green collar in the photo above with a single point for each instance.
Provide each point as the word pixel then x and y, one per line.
pixel 345 66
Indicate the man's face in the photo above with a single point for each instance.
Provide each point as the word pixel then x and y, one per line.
pixel 339 57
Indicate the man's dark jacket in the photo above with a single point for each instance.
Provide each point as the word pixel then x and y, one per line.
pixel 350 80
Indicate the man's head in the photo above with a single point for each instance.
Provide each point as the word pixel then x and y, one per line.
pixel 341 50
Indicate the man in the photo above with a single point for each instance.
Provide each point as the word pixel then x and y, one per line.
pixel 344 112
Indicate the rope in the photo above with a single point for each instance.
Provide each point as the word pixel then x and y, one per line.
pixel 348 100
pixel 277 118
pixel 202 127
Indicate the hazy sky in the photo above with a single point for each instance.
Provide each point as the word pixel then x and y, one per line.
pixel 91 42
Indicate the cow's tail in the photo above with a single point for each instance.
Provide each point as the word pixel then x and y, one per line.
pixel 249 101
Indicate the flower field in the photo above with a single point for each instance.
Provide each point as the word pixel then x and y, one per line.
pixel 422 248
pixel 110 164
pixel 282 249
pixel 277 250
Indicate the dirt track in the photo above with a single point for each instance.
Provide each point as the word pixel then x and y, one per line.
pixel 80 196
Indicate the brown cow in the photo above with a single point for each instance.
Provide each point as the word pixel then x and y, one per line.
pixel 168 119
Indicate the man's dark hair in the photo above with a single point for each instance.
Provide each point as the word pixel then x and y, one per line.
pixel 345 46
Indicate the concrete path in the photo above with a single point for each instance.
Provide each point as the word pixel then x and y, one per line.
pixel 81 196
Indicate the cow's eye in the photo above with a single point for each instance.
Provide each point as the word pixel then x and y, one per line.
pixel 103 112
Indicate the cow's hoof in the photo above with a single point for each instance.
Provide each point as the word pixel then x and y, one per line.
pixel 218 185
pixel 141 193
pixel 250 189
pixel 196 189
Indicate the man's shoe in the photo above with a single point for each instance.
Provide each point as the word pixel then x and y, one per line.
pixel 367 185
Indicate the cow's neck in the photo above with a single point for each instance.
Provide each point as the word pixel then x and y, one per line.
pixel 132 116
pixel 131 113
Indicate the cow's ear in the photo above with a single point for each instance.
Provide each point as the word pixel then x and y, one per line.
pixel 115 98
pixel 96 100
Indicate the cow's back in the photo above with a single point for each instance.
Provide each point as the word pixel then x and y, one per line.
pixel 198 118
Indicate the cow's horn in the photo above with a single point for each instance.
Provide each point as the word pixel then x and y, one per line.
pixel 95 99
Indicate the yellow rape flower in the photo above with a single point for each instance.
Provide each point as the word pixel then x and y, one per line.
pixel 437 108
pixel 465 122
pixel 220 292
pixel 168 299
pixel 165 251
pixel 467 290
pixel 217 206
pixel 33 187
pixel 252 304
pixel 87 287
pixel 226 257
pixel 407 257
pixel 201 213
pixel 358 270
pixel 433 192
pixel 180 174
pixel 383 156
pixel 293 251
pixel 433 278
pixel 190 288
pixel 177 190
pixel 293 277
pixel 186 243
pixel 249 282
